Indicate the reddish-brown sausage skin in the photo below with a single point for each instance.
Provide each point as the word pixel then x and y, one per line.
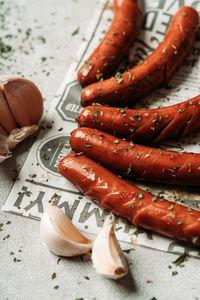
pixel 140 208
pixel 115 44
pixel 155 70
pixel 144 125
pixel 137 161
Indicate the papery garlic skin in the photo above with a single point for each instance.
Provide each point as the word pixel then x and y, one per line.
pixel 16 136
pixel 21 107
pixel 107 256
pixel 4 149
pixel 60 236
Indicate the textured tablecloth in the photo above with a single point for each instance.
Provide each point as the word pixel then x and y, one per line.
pixel 42 42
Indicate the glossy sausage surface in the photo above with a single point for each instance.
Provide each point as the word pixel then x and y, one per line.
pixel 115 44
pixel 144 125
pixel 155 70
pixel 137 206
pixel 141 162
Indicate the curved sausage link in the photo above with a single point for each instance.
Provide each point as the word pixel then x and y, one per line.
pixel 137 161
pixel 155 70
pixel 140 208
pixel 115 44
pixel 144 125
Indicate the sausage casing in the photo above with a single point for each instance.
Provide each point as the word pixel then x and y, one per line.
pixel 139 207
pixel 137 161
pixel 115 44
pixel 155 70
pixel 144 125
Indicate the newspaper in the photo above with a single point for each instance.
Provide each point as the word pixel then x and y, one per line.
pixel 39 181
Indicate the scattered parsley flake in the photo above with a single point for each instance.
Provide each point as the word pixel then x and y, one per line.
pixel 194 239
pixel 139 195
pixel 16 259
pixel 95 113
pixel 26 193
pixel 164 50
pixel 179 222
pixel 175 167
pixel 171 207
pixel 54 196
pixel 118 228
pixel 180 259
pixel 79 153
pixel 137 116
pixel 56 287
pixel 118 77
pixel 88 145
pixel 174 273
pixel 76 31
pixel 42 39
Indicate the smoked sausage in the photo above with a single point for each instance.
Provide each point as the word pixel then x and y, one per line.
pixel 139 207
pixel 115 44
pixel 155 70
pixel 142 125
pixel 137 161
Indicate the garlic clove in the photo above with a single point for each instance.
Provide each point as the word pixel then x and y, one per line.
pixel 107 256
pixel 59 234
pixel 24 100
pixel 7 121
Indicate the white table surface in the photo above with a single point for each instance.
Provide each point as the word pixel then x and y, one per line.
pixel 23 24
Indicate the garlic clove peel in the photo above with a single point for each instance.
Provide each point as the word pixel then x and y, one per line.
pixel 21 107
pixel 15 137
pixel 19 134
pixel 2 131
pixel 4 149
pixel 59 234
pixel 24 100
pixel 107 256
pixel 7 121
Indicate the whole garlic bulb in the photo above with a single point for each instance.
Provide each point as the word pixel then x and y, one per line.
pixel 59 234
pixel 21 107
pixel 107 256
